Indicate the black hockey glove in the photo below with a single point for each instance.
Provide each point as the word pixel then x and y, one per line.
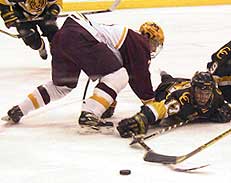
pixel 223 114
pixel 52 12
pixel 138 124
pixel 8 15
pixel 110 111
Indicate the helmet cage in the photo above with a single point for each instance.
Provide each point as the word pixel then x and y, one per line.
pixel 155 35
pixel 203 86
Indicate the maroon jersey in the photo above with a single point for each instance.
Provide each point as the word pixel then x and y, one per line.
pixel 135 52
pixel 99 50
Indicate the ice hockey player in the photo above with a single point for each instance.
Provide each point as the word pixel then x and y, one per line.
pixel 113 54
pixel 20 14
pixel 220 67
pixel 178 100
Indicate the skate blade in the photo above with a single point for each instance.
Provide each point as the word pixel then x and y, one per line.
pixel 8 120
pixel 86 130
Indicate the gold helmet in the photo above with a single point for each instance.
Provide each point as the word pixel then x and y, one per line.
pixel 155 35
pixel 153 31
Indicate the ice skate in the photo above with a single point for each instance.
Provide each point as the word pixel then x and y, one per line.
pixel 90 123
pixel 13 115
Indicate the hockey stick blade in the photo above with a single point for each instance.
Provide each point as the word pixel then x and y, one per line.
pixel 152 156
pixel 177 169
pixel 169 160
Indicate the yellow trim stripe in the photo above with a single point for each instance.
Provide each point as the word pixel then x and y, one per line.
pixel 159 107
pixel 224 78
pixel 101 100
pixel 124 33
pixel 128 4
pixel 34 101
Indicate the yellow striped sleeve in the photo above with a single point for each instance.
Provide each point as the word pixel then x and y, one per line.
pixel 121 40
pixel 158 109
pixel 4 2
pixel 224 78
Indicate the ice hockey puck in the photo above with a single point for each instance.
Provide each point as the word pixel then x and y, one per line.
pixel 125 172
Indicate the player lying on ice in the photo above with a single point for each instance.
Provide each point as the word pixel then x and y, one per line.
pixel 179 100
pixel 113 54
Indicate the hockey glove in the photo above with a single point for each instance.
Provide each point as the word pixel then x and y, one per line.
pixel 110 111
pixel 52 12
pixel 224 114
pixel 8 15
pixel 138 124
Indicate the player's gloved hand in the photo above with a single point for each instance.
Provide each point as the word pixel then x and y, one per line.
pixel 138 124
pixel 224 114
pixel 9 16
pixel 110 111
pixel 52 12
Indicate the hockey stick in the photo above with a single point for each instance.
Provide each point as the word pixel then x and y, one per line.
pixel 152 156
pixel 40 18
pixel 9 34
pixel 85 90
pixel 170 165
pixel 159 132
pixel 16 35
pixel 112 8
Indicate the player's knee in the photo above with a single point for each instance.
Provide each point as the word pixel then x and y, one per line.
pixel 31 38
pixel 106 92
pixel 50 31
pixel 116 80
pixel 56 92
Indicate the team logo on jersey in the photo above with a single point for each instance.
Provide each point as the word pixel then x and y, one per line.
pixel 184 98
pixel 34 6
pixel 223 51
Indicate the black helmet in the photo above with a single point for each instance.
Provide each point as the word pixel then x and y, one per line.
pixel 203 86
pixel 203 80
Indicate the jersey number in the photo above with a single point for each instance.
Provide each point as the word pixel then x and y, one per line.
pixel 173 107
pixel 213 67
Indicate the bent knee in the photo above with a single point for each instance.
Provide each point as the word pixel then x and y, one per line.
pixel 116 80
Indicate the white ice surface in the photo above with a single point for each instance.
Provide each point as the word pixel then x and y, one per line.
pixel 46 147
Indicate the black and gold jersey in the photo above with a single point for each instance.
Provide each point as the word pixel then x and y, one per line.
pixel 182 104
pixel 32 7
pixel 220 66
